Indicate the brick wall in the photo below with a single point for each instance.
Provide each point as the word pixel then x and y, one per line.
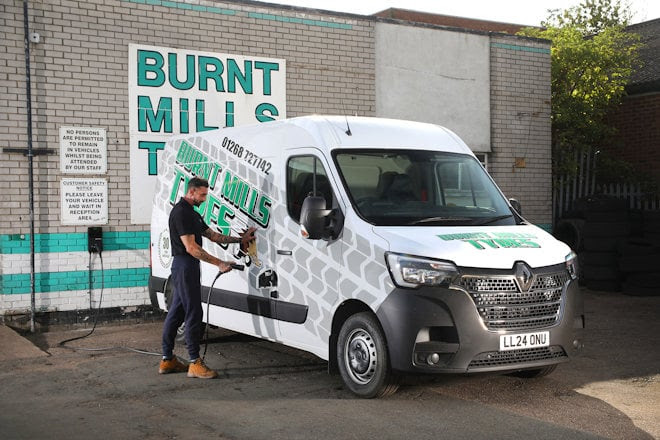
pixel 637 140
pixel 80 78
pixel 520 123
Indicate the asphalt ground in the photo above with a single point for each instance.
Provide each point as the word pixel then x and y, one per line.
pixel 268 391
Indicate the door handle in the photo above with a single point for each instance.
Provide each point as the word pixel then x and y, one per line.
pixel 283 252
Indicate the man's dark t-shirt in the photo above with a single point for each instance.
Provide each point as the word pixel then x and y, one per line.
pixel 184 220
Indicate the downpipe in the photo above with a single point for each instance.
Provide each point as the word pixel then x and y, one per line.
pixel 30 154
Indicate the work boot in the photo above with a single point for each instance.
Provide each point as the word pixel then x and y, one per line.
pixel 201 371
pixel 173 365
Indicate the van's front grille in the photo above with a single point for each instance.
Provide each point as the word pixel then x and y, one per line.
pixel 503 302
pixel 496 358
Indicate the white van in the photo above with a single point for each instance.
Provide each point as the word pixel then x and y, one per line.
pixel 383 247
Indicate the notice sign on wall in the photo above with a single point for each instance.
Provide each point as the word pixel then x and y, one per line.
pixel 180 91
pixel 83 150
pixel 84 201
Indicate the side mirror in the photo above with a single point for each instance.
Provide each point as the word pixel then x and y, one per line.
pixel 317 222
pixel 515 204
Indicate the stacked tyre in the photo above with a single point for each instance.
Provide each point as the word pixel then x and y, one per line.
pixel 639 260
pixel 595 231
pixel 606 226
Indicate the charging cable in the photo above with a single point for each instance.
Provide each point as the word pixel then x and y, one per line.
pixel 208 306
pixel 98 309
pixel 206 329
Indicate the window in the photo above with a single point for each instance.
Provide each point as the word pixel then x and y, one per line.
pixel 304 175
pixel 390 187
pixel 483 158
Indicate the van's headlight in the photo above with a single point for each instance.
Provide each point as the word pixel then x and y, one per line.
pixel 410 271
pixel 572 265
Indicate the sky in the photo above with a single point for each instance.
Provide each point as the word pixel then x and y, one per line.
pixel 526 12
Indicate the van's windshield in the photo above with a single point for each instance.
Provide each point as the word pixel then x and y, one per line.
pixel 419 187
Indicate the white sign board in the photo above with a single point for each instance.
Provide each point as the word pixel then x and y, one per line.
pixel 84 201
pixel 83 150
pixel 179 91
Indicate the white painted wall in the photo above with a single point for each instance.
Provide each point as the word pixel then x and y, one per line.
pixel 436 76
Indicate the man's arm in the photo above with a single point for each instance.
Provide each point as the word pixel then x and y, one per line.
pixel 198 252
pixel 216 237
pixel 245 237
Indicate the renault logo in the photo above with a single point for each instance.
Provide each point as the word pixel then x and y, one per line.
pixel 523 276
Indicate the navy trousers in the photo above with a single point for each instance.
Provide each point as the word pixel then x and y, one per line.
pixel 186 306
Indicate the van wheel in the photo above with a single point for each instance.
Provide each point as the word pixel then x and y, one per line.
pixel 535 372
pixel 362 357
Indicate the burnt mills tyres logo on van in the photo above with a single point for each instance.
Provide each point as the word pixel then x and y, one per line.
pixel 228 193
pixel 494 240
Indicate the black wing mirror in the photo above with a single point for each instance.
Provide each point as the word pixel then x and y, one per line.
pixel 515 204
pixel 317 222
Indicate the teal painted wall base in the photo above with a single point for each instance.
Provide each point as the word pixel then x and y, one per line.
pixel 13 245
pixel 74 280
pixel 74 242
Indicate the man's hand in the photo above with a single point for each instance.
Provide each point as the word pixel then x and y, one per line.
pixel 247 236
pixel 224 266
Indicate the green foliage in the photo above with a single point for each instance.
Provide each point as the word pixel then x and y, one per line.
pixel 590 17
pixel 592 61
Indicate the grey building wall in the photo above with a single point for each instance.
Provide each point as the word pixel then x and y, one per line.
pixel 434 75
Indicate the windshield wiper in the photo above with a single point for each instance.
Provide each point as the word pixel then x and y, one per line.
pixel 492 220
pixel 438 219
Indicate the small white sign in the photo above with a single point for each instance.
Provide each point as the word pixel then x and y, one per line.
pixel 83 150
pixel 84 201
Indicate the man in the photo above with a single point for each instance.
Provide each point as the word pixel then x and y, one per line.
pixel 186 230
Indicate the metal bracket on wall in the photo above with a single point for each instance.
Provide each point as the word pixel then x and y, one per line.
pixel 25 151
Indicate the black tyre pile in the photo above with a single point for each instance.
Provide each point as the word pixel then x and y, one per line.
pixel 639 260
pixel 618 249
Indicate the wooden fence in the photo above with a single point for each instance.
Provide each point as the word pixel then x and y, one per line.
pixel 584 184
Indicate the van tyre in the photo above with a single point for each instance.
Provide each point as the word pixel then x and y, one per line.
pixel 534 372
pixel 153 297
pixel 362 357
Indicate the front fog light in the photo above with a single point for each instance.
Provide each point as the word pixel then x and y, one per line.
pixel 572 265
pixel 408 271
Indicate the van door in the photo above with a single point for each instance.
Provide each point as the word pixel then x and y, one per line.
pixel 308 270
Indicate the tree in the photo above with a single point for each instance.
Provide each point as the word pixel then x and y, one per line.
pixel 592 59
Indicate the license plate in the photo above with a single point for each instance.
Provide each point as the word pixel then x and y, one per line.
pixel 524 340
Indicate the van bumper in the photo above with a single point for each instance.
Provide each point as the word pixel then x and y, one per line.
pixel 439 330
